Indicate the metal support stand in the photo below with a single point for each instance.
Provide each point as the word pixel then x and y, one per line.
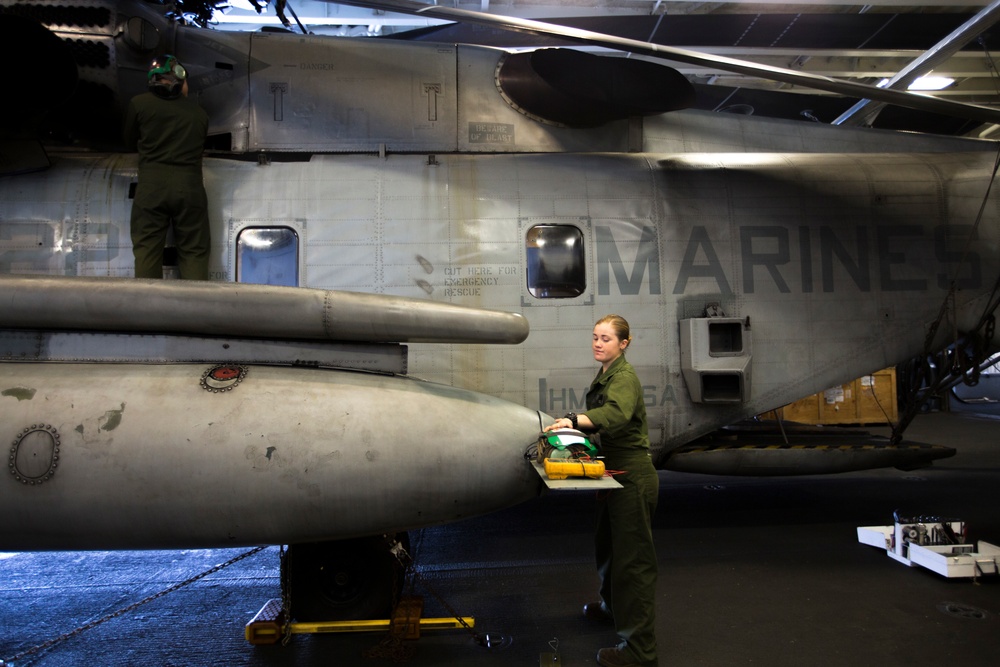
pixel 268 626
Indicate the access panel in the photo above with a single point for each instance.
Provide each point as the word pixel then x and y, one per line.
pixel 351 95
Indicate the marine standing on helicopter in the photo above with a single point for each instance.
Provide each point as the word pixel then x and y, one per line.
pixel 169 131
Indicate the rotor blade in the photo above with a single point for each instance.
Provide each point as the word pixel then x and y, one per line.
pixel 805 79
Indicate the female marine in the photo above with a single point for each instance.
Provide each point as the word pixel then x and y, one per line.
pixel 626 557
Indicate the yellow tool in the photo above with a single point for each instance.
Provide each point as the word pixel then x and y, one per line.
pixel 563 468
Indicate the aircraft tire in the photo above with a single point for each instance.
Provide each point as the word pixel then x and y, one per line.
pixel 343 580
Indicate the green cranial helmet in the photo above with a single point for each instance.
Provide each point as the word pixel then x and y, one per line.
pixel 166 76
pixel 568 442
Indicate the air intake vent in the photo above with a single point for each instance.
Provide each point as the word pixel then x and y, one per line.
pixel 577 89
pixel 57 16
pixel 715 359
pixel 88 53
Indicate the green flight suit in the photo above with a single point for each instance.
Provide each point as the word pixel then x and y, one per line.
pixel 170 137
pixel 626 555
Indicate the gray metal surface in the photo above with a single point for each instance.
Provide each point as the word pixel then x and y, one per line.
pixel 752 572
pixel 702 132
pixel 839 261
pixel 323 94
pixel 231 309
pixel 344 95
pixel 178 456
pixel 18 345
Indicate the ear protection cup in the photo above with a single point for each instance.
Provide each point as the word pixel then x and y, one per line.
pixel 168 65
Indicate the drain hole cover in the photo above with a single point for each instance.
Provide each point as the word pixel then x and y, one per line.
pixel 962 611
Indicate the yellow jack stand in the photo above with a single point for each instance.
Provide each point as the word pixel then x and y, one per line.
pixel 267 627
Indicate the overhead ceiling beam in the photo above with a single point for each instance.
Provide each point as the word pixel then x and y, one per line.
pixel 865 111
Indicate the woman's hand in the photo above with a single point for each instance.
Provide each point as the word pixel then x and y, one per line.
pixel 562 422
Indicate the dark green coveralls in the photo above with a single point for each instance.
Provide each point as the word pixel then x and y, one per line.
pixel 170 137
pixel 626 556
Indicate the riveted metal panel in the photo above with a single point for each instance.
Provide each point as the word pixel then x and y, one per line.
pixel 351 95
pixel 219 64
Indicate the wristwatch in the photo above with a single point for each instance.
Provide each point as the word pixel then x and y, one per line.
pixel 572 417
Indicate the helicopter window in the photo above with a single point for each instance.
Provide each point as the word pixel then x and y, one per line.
pixel 555 262
pixel 268 256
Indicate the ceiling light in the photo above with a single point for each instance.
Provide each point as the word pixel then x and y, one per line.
pixel 931 83
pixel 924 83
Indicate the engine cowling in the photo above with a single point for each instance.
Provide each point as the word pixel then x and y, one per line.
pixel 577 89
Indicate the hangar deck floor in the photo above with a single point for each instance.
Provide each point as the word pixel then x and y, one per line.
pixel 752 572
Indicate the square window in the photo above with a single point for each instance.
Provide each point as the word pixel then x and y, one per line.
pixel 268 256
pixel 555 261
